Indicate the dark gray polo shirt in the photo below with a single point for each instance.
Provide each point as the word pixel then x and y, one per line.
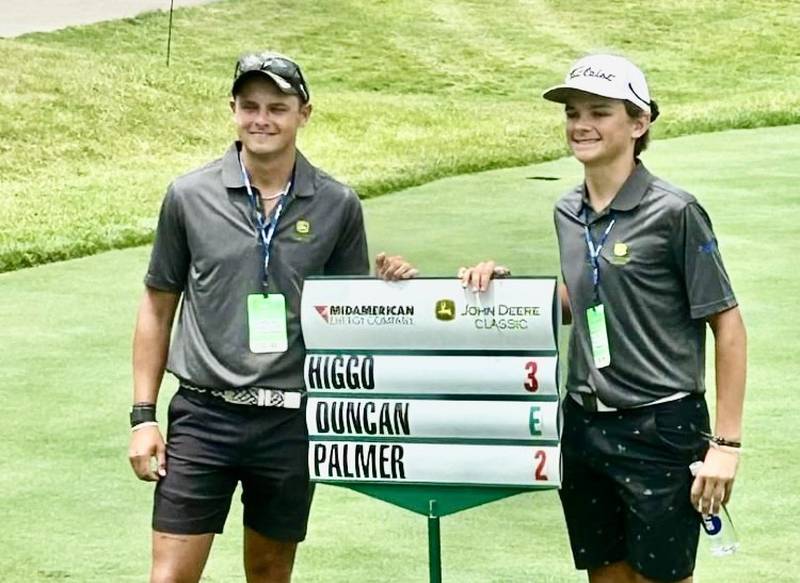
pixel 661 275
pixel 207 247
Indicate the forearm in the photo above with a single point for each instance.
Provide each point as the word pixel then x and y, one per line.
pixel 566 311
pixel 730 341
pixel 151 344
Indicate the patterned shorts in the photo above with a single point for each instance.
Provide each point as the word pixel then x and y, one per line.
pixel 626 485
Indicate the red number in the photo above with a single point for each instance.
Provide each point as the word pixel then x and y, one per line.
pixel 542 457
pixel 531 382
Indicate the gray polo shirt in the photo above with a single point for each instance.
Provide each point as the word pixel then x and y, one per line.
pixel 207 248
pixel 661 275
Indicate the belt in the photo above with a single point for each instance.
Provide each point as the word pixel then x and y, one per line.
pixel 591 402
pixel 258 396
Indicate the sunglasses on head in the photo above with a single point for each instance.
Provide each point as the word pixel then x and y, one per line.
pixel 277 65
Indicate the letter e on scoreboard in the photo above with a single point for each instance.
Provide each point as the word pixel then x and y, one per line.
pixel 535 421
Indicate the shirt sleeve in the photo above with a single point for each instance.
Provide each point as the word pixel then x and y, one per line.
pixel 169 259
pixel 350 255
pixel 708 286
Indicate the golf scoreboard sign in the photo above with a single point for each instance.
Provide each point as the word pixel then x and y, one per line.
pixel 422 388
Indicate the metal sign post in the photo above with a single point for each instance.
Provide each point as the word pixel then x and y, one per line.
pixel 169 33
pixel 432 397
pixel 434 545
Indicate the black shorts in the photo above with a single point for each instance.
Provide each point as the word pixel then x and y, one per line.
pixel 626 484
pixel 211 446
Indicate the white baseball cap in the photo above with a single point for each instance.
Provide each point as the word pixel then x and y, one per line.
pixel 606 75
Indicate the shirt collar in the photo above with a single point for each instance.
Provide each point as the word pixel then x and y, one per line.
pixel 629 196
pixel 232 172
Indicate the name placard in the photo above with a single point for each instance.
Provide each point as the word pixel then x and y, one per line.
pixel 434 463
pixel 433 419
pixel 351 373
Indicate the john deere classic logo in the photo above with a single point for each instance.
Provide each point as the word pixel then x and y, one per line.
pixel 445 310
pixel 302 227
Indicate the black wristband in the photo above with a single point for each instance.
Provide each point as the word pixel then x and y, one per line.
pixel 142 413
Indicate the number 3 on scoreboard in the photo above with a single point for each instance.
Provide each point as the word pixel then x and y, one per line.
pixel 531 382
pixel 541 457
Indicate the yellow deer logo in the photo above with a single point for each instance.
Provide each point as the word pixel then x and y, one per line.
pixel 445 310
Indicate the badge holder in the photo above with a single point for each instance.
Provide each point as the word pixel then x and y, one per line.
pixel 596 318
pixel 266 322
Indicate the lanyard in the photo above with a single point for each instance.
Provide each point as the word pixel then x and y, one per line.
pixel 594 251
pixel 265 230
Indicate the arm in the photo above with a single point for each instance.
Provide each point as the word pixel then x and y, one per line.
pixel 150 348
pixel 349 256
pixel 566 310
pixel 730 342
pixel 714 482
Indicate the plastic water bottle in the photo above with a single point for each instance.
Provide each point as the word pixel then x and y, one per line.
pixel 719 527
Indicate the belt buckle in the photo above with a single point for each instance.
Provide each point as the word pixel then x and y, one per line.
pixel 278 398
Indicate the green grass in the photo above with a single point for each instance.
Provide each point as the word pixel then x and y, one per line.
pixel 93 125
pixel 73 511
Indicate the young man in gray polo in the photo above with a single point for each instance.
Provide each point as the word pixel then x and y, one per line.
pixel 235 240
pixel 643 278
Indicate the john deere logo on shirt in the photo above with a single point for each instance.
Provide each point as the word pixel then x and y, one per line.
pixel 445 310
pixel 302 227
pixel 620 253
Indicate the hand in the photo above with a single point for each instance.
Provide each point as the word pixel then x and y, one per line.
pixel 146 444
pixel 478 277
pixel 393 267
pixel 713 484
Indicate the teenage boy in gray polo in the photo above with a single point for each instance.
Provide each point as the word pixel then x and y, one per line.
pixel 236 239
pixel 643 277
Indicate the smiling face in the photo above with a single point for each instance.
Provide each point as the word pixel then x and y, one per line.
pixel 599 131
pixel 266 119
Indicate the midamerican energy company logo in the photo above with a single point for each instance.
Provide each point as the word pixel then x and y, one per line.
pixel 445 310
pixel 367 315
pixel 324 312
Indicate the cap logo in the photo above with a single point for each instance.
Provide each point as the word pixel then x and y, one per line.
pixel 587 71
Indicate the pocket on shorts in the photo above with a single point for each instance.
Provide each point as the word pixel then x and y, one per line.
pixel 172 409
pixel 179 408
pixel 680 424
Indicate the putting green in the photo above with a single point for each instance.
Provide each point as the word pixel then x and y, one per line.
pixel 72 508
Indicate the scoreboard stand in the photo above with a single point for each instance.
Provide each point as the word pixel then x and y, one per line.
pixel 431 397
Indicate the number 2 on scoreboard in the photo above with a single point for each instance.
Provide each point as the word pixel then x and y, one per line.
pixel 531 382
pixel 539 474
